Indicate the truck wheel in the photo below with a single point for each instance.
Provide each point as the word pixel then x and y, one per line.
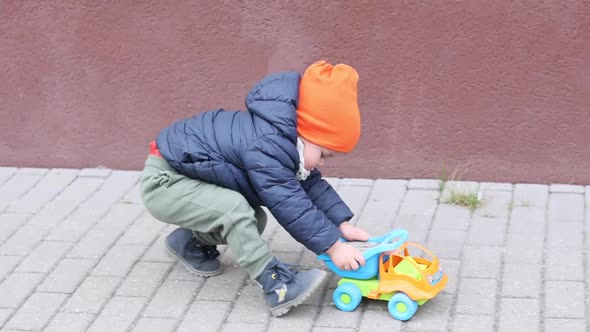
pixel 402 307
pixel 347 296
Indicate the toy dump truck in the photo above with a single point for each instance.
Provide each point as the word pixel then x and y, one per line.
pixel 391 274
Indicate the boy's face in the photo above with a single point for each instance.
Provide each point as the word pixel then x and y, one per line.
pixel 314 155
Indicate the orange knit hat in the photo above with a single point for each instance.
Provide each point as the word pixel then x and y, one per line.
pixel 328 113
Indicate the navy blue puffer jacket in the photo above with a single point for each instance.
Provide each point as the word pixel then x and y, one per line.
pixel 255 153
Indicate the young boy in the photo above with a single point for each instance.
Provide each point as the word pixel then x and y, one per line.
pixel 210 175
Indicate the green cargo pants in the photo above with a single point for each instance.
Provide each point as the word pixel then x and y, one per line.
pixel 215 215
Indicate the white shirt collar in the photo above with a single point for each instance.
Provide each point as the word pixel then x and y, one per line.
pixel 302 173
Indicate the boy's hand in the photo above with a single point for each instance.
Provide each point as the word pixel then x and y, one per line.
pixel 345 256
pixel 352 233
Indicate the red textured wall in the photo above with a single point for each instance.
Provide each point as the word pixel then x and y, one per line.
pixel 501 88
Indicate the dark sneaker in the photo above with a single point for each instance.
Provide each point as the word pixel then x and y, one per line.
pixel 199 259
pixel 285 288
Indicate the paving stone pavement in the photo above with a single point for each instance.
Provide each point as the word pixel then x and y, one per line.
pixel 78 252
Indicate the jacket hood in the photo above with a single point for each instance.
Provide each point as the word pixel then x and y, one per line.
pixel 275 99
